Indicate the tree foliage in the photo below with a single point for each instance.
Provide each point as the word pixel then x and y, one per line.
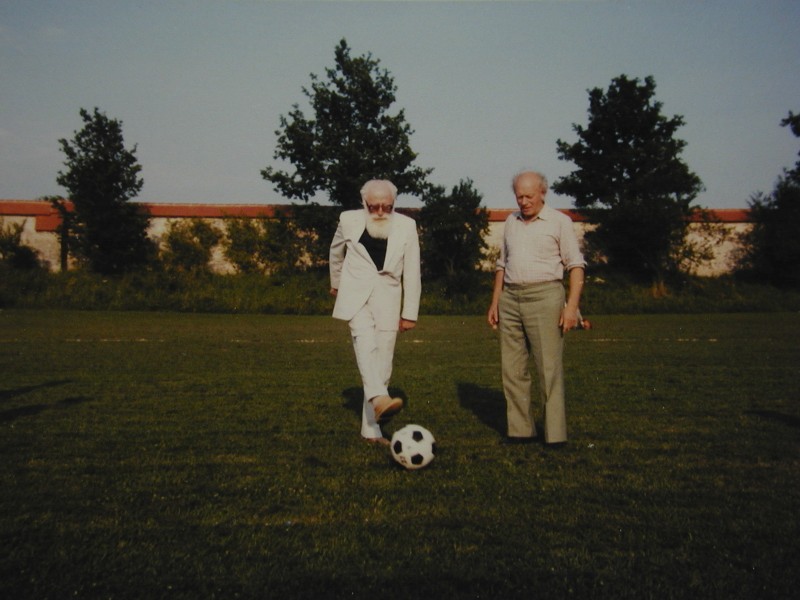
pixel 793 123
pixel 631 180
pixel 772 246
pixel 265 245
pixel 189 245
pixel 242 244
pixel 101 176
pixel 453 227
pixel 351 137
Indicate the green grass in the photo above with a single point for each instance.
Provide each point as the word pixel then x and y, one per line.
pixel 158 455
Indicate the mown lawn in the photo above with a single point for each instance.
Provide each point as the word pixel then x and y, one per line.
pixel 160 455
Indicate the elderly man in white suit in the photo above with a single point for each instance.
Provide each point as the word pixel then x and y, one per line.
pixel 375 277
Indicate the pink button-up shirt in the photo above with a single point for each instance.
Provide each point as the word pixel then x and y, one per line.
pixel 539 250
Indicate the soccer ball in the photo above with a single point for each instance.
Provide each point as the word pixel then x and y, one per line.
pixel 413 446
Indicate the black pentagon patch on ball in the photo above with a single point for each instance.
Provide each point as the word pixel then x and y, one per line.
pixel 398 447
pixel 417 459
pixel 417 435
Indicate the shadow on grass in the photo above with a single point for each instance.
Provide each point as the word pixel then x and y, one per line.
pixel 772 415
pixel 488 404
pixel 12 414
pixel 353 399
pixel 13 393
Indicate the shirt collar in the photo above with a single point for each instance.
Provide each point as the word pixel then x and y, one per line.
pixel 542 214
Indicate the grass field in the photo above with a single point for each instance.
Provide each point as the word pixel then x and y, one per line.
pixel 157 455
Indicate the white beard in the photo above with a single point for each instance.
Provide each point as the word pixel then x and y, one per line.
pixel 379 228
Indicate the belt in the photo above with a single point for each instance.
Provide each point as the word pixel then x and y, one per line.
pixel 525 286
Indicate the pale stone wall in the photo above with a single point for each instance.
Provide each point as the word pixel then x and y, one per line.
pixel 724 252
pixel 40 222
pixel 44 242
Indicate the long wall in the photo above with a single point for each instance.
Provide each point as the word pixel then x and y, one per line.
pixel 40 225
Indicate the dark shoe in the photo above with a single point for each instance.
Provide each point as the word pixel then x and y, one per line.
pixel 556 446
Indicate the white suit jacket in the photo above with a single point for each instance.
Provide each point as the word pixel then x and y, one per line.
pixel 395 289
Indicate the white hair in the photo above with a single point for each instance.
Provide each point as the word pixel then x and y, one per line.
pixel 376 183
pixel 541 177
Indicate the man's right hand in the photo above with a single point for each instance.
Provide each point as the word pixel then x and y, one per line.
pixel 493 317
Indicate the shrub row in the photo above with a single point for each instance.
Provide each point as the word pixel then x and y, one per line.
pixel 307 294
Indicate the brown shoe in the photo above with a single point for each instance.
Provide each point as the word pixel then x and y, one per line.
pixel 379 441
pixel 385 406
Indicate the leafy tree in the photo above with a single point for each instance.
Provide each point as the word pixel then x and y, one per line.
pixel 188 245
pixel 793 122
pixel 314 226
pixel 631 180
pixel 772 247
pixel 242 244
pixel 287 245
pixel 265 245
pixel 453 228
pixel 101 177
pixel 351 137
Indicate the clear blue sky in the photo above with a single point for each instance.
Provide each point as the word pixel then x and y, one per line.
pixel 488 87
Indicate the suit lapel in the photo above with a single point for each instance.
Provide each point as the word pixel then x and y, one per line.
pixel 356 228
pixel 357 225
pixel 394 243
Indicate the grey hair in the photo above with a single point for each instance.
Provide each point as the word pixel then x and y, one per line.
pixel 541 177
pixel 373 183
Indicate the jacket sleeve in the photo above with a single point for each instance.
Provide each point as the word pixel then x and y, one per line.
pixel 336 256
pixel 412 277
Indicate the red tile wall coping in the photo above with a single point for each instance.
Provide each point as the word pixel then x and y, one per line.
pixel 48 218
pixel 723 215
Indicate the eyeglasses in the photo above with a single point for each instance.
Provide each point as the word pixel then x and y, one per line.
pixel 373 208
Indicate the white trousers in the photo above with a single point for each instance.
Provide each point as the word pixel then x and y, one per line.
pixel 374 351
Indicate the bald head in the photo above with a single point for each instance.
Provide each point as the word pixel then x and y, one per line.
pixel 534 177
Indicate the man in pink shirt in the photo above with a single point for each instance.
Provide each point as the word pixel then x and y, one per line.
pixel 529 308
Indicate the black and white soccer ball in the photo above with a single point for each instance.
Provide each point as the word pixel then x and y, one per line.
pixel 413 446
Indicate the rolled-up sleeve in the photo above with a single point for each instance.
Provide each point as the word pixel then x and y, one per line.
pixel 571 255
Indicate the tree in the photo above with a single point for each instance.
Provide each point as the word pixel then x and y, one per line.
pixel 452 233
pixel 772 247
pixel 101 177
pixel 631 180
pixel 242 244
pixel 793 123
pixel 265 245
pixel 351 138
pixel 188 246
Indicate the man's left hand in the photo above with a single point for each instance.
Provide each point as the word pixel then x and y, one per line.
pixel 569 319
pixel 405 325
